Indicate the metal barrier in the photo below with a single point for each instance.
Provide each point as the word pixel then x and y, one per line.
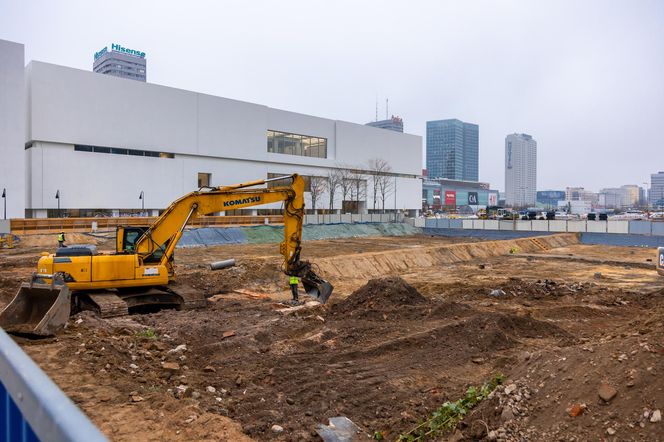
pixel 32 407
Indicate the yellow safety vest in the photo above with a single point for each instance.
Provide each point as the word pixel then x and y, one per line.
pixel 61 237
pixel 294 280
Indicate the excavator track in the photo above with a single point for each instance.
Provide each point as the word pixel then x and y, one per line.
pixel 112 303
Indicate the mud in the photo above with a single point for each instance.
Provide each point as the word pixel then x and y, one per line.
pixel 385 352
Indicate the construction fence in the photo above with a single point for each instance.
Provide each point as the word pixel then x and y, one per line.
pixel 634 227
pixel 32 407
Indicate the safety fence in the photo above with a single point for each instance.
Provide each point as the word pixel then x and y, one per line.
pixel 635 227
pixel 49 225
pixel 32 407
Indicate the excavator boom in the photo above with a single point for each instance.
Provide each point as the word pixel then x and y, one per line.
pixel 139 272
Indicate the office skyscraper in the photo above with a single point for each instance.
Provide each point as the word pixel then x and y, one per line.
pixel 121 62
pixel 520 170
pixel 656 193
pixel 453 150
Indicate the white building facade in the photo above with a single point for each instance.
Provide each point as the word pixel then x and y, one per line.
pixel 99 142
pixel 520 170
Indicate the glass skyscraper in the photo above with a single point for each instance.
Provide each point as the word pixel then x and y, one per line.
pixel 453 150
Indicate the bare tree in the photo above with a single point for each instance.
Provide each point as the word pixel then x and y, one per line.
pixel 386 185
pixel 333 182
pixel 358 187
pixel 379 169
pixel 317 185
pixel 345 182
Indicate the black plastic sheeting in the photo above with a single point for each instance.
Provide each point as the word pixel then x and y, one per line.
pixel 211 236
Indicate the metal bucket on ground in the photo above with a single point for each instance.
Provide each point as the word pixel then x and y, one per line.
pixel 38 309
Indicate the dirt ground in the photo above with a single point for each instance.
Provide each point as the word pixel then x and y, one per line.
pixel 384 354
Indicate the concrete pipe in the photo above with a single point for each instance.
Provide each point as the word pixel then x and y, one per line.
pixel 222 264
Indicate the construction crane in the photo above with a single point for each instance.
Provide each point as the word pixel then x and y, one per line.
pixel 140 273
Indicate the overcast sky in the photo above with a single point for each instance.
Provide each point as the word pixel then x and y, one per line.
pixel 585 78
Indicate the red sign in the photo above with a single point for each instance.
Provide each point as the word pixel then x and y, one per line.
pixel 450 197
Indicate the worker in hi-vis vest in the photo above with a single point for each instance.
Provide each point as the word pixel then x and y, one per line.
pixel 294 281
pixel 61 239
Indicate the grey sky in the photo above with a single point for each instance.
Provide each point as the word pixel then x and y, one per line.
pixel 585 78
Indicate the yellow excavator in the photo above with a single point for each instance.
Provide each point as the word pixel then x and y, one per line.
pixel 140 273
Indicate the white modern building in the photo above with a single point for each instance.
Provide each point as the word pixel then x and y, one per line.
pixel 99 142
pixel 622 197
pixel 520 170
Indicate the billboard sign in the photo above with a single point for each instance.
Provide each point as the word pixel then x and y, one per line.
pixel 472 199
pixel 450 198
pixel 493 199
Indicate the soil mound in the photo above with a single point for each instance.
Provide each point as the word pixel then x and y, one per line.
pixel 381 294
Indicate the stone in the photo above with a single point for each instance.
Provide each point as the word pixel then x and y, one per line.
pixel 133 366
pixel 195 395
pixel 656 416
pixel 576 410
pixel 210 369
pixel 610 431
pixel 492 435
pixel 218 399
pixel 606 392
pixel 171 366
pixel 497 293
pixel 137 398
pixel 506 415
pixel 179 349
pixel 597 275
pixel 277 429
pixel 290 401
pixel 510 388
pixel 210 389
pixel 238 381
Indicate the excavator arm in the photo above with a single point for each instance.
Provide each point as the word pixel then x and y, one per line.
pixel 163 235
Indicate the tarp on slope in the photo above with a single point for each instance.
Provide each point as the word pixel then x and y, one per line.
pixel 212 236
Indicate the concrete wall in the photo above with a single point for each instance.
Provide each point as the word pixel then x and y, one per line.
pixel 12 129
pixel 653 228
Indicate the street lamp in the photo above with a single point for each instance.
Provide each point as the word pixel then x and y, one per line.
pixel 141 197
pixel 4 197
pixel 57 197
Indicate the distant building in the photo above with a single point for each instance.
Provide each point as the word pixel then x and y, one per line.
pixel 394 123
pixel 549 198
pixel 520 170
pixel 449 195
pixel 656 193
pixel 581 194
pixel 121 62
pixel 453 150
pixel 576 207
pixel 622 197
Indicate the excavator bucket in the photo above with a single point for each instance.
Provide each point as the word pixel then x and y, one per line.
pixel 316 287
pixel 37 309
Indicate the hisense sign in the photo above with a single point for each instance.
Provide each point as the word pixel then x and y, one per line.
pixel 117 48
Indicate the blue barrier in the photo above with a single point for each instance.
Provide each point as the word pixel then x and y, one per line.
pixel 32 407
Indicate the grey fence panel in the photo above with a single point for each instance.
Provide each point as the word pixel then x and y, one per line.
pixel 658 228
pixel 45 409
pixel 640 227
pixel 456 224
pixel 443 223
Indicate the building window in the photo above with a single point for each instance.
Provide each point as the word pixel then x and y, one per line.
pixel 204 179
pixel 294 144
pixel 122 151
